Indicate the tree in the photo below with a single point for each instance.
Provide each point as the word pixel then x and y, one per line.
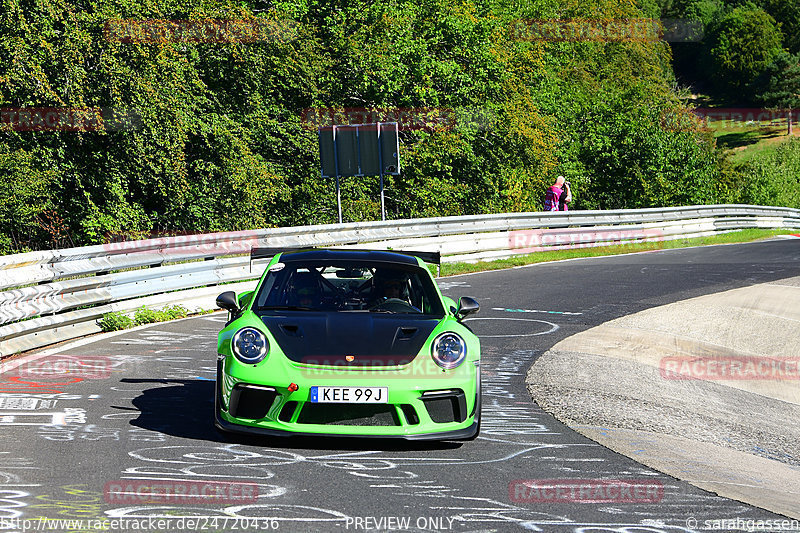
pixel 783 88
pixel 787 12
pixel 742 44
pixel 223 140
pixel 704 11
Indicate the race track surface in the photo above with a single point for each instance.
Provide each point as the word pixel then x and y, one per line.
pixel 73 448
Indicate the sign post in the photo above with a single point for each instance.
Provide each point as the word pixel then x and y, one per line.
pixel 359 150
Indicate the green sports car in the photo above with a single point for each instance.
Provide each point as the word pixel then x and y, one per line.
pixel 348 343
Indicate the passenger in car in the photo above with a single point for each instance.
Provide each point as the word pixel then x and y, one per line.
pixel 305 290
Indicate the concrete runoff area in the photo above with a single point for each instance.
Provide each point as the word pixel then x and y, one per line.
pixel 652 386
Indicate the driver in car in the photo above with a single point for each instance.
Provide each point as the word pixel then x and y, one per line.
pixel 305 291
pixel 389 285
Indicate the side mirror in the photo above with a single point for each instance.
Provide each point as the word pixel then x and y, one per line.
pixel 466 306
pixel 227 301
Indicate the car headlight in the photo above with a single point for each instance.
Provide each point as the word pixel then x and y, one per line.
pixel 250 346
pixel 448 350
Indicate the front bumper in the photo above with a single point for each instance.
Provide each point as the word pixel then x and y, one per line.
pixel 439 406
pixel 468 433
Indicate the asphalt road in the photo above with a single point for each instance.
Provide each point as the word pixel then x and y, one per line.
pixel 70 448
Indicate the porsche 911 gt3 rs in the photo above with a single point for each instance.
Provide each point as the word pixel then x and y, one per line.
pixel 348 343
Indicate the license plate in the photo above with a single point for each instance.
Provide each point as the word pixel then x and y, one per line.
pixel 349 394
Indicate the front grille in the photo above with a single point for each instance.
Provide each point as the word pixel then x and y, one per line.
pixel 287 411
pixel 445 406
pixel 348 415
pixel 410 413
pixel 218 383
pixel 251 401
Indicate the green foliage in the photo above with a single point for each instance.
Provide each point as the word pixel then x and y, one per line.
pixel 119 320
pixel 176 311
pixel 787 12
pixel 218 139
pixel 640 160
pixel 742 44
pixel 782 89
pixel 144 315
pixel 115 321
pixel 742 38
pixel 705 11
pixel 148 316
pixel 773 177
pixel 24 206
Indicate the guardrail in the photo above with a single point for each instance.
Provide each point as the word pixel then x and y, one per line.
pixel 56 295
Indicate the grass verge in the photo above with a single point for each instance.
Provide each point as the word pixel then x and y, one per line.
pixel 746 140
pixel 118 320
pixel 747 235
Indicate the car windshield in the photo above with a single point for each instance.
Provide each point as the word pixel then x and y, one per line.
pixel 349 286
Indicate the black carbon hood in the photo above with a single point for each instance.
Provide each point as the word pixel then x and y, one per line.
pixel 369 339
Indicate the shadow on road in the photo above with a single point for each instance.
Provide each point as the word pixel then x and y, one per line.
pixel 178 407
pixel 185 408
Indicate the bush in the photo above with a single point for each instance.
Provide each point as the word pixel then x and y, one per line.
pixel 118 320
pixel 176 311
pixel 115 321
pixel 144 315
pixel 772 177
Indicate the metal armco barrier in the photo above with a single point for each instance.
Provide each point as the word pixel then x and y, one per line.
pixel 56 295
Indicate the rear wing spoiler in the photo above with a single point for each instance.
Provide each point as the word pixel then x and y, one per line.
pixel 434 258
pixel 261 253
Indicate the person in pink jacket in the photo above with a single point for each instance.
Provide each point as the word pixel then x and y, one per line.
pixel 553 194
